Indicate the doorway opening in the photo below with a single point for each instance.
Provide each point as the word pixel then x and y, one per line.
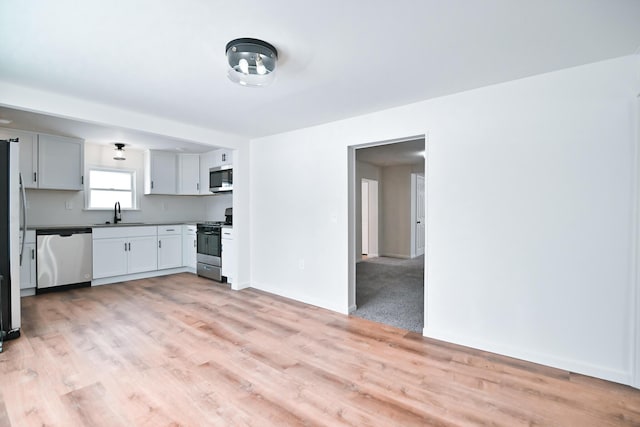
pixel 387 227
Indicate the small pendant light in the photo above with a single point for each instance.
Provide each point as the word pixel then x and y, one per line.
pixel 119 152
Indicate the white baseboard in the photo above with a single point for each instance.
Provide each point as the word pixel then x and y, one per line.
pixel 300 297
pixel 27 292
pixel 577 366
pixel 240 286
pixel 136 276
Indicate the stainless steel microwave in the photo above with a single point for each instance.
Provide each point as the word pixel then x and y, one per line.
pixel 221 179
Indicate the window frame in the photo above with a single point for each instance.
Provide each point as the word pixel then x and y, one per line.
pixel 133 191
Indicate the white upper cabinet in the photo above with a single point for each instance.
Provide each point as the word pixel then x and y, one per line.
pixel 206 162
pixel 189 174
pixel 28 154
pixel 49 162
pixel 29 159
pixel 160 172
pixel 222 157
pixel 60 163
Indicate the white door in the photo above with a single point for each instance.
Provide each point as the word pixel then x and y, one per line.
pixel 420 215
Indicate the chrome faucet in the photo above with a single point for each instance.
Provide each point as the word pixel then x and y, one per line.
pixel 117 215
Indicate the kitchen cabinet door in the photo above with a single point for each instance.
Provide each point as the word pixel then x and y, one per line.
pixel 60 163
pixel 206 162
pixel 160 172
pixel 228 254
pixel 189 174
pixel 189 247
pixel 28 267
pixel 143 254
pixel 28 154
pixel 221 157
pixel 110 257
pixel 225 157
pixel 169 251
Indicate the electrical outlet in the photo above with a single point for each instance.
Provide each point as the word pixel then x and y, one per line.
pixel 301 263
pixel 68 205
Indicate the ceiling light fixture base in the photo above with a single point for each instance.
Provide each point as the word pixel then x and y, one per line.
pixel 252 62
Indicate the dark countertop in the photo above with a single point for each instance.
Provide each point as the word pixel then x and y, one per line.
pixel 103 225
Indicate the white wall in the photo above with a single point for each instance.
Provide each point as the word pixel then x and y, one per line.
pixel 395 215
pixel 216 205
pixel 529 201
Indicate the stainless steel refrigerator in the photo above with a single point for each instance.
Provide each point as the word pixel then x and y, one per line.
pixel 9 240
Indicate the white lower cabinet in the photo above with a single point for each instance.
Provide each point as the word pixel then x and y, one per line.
pixel 110 257
pixel 142 254
pixel 28 266
pixel 228 254
pixel 189 247
pixel 124 250
pixel 169 246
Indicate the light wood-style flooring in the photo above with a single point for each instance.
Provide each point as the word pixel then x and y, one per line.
pixel 181 350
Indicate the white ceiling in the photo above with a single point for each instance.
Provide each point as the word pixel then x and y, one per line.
pixel 338 58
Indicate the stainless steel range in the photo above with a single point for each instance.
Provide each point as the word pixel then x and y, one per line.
pixel 209 237
pixel 210 249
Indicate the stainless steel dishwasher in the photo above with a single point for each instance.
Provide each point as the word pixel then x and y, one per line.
pixel 63 258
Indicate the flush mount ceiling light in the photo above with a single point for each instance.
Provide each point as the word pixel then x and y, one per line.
pixel 119 152
pixel 252 62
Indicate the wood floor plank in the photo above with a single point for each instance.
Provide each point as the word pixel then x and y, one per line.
pixel 182 350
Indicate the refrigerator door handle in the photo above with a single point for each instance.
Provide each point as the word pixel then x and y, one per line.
pixel 24 215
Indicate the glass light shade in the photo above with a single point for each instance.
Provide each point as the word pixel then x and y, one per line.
pixel 119 152
pixel 252 62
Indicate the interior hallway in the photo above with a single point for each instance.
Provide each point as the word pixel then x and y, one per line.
pixel 391 291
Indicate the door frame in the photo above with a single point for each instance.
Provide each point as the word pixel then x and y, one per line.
pixel 635 254
pixel 352 220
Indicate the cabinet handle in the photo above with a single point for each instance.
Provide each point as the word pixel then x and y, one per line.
pixel 35 177
pixel 125 246
pixel 224 157
pixel 129 247
pixel 82 180
pixel 171 229
pixel 195 243
pixel 160 243
pixel 33 254
pixel 151 184
pixel 198 186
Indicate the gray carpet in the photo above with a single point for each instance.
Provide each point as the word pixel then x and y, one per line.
pixel 391 291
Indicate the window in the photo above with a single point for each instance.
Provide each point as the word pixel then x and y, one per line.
pixel 108 186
